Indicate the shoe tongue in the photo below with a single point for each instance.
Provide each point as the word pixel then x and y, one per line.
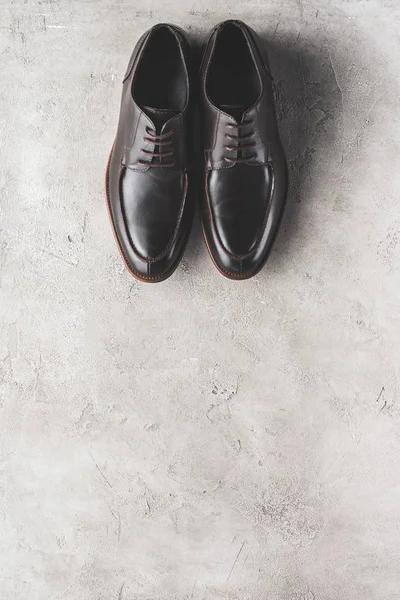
pixel 235 110
pixel 159 116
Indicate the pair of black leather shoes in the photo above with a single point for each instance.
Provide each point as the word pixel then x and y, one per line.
pixel 151 180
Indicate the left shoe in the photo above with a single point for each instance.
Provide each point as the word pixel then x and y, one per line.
pixel 149 180
pixel 245 175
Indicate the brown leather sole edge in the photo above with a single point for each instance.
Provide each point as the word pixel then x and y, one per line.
pixel 142 278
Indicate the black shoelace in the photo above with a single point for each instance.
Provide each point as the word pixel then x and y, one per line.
pixel 158 158
pixel 242 142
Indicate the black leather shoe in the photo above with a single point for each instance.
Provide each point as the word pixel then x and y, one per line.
pixel 148 182
pixel 245 175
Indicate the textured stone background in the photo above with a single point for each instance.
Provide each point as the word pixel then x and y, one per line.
pixel 200 439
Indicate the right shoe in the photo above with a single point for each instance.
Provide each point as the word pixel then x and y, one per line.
pixel 149 183
pixel 244 175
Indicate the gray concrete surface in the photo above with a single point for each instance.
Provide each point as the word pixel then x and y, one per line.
pixel 201 439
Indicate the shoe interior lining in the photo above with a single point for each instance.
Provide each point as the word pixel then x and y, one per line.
pixel 160 80
pixel 232 80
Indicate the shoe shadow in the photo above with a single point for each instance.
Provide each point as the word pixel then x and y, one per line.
pixel 308 102
pixel 196 249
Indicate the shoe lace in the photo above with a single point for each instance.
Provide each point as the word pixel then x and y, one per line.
pixel 242 142
pixel 161 141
